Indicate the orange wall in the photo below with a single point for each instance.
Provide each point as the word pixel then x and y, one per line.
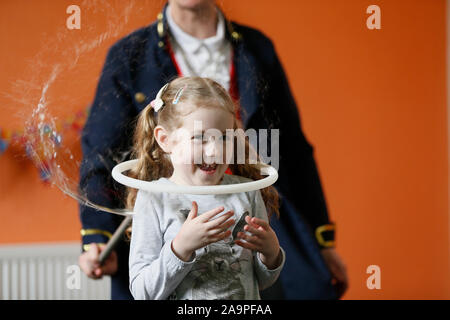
pixel 373 103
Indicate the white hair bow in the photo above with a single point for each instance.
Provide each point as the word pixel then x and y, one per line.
pixel 158 103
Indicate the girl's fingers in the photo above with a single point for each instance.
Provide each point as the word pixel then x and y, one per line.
pixel 221 236
pixel 253 231
pixel 256 222
pixel 221 228
pixel 193 213
pixel 246 245
pixel 209 214
pixel 251 239
pixel 218 221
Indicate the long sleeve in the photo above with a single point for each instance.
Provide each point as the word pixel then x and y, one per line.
pixel 105 142
pixel 299 179
pixel 155 271
pixel 266 277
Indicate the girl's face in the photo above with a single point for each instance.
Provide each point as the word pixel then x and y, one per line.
pixel 200 149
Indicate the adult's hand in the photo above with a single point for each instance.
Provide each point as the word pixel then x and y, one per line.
pixel 337 268
pixel 89 262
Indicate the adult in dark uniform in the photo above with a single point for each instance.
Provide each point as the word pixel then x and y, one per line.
pixel 192 37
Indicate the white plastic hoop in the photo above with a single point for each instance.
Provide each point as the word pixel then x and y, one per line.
pixel 117 174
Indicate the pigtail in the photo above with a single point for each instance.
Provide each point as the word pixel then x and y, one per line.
pixel 152 162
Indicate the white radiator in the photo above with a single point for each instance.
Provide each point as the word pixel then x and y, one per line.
pixel 47 272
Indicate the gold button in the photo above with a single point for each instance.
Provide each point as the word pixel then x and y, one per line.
pixel 160 44
pixel 139 97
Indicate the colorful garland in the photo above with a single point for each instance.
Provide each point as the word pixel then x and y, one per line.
pixel 10 137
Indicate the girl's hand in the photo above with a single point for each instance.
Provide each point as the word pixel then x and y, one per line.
pixel 263 240
pixel 199 231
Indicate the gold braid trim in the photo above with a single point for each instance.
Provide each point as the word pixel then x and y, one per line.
pixel 319 236
pixel 88 232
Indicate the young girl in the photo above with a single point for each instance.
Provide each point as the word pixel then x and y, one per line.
pixel 186 246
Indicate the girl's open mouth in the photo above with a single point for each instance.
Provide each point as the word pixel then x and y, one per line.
pixel 208 168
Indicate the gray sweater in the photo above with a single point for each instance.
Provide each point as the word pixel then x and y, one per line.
pixel 221 270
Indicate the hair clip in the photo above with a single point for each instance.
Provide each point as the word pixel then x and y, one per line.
pixel 158 103
pixel 178 95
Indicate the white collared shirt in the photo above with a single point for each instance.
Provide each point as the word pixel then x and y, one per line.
pixel 210 57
